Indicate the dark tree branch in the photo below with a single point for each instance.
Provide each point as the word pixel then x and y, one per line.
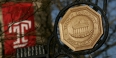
pixel 97 53
pixel 103 50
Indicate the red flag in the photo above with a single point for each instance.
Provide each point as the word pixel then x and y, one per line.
pixel 18 22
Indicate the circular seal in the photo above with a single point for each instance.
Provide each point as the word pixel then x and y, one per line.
pixel 80 27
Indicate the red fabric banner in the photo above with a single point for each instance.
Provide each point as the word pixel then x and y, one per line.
pixel 18 22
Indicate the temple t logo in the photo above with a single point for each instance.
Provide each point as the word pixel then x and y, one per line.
pixel 20 28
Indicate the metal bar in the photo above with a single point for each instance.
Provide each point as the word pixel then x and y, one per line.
pixel 105 6
pixel 96 3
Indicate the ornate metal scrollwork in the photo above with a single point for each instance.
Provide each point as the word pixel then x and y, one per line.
pixel 61 47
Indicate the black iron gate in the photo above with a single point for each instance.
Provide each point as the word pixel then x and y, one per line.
pixel 60 49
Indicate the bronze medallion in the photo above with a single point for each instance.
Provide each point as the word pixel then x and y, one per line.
pixel 80 28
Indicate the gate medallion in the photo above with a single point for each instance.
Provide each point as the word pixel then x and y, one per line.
pixel 80 28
